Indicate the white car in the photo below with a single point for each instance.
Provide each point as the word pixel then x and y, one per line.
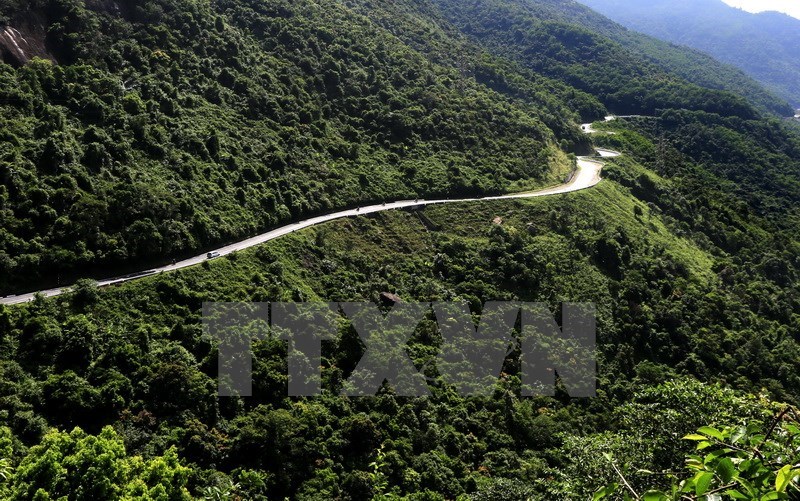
pixel 212 255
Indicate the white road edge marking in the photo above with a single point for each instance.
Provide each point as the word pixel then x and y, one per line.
pixel 586 176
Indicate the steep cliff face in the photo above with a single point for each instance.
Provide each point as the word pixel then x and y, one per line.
pixel 23 39
pixel 24 34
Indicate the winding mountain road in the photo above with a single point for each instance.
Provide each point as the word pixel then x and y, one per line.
pixel 586 175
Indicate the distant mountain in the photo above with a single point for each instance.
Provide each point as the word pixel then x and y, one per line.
pixel 592 47
pixel 571 42
pixel 766 46
pixel 132 132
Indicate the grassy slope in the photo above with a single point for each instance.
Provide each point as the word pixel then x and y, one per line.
pixel 238 116
pixel 669 302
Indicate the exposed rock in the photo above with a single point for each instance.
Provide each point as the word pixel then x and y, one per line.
pixel 23 41
pixel 388 298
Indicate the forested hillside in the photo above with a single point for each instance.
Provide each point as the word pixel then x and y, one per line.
pixel 766 45
pixel 727 139
pixel 673 305
pixel 167 126
pixel 208 119
pixel 629 71
pixel 148 129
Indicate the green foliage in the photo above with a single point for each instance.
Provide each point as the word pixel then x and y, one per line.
pixel 138 145
pixel 82 466
pixel 377 476
pixel 544 250
pixel 759 44
pixel 757 461
pixel 630 74
pixel 168 126
pixel 6 461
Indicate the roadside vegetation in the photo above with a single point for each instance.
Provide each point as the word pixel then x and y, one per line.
pixel 168 126
pixel 679 324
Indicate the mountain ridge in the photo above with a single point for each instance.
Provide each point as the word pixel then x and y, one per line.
pixel 764 45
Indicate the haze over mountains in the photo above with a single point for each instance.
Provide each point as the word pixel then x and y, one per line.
pixel 765 45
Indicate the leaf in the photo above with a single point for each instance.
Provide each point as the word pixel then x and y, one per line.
pixel 792 429
pixel 711 432
pixel 686 486
pixel 704 445
pixel 713 456
pixel 695 437
pixel 726 470
pixel 703 482
pixel 654 496
pixel 783 478
pixel 605 492
pixel 736 494
pixel 738 435
pixel 751 489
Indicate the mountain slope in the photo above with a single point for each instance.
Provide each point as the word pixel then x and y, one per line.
pixel 758 156
pixel 669 303
pixel 569 41
pixel 766 45
pixel 149 127
pixel 167 126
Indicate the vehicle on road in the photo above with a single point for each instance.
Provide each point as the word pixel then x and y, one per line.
pixel 586 176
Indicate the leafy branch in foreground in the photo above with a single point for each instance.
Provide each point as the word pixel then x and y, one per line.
pixel 735 462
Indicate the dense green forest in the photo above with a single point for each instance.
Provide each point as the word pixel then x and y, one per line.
pixel 630 72
pixel 765 45
pixel 672 306
pixel 174 125
pixel 168 126
pixel 150 129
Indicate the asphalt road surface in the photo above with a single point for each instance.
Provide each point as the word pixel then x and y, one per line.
pixel 586 176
